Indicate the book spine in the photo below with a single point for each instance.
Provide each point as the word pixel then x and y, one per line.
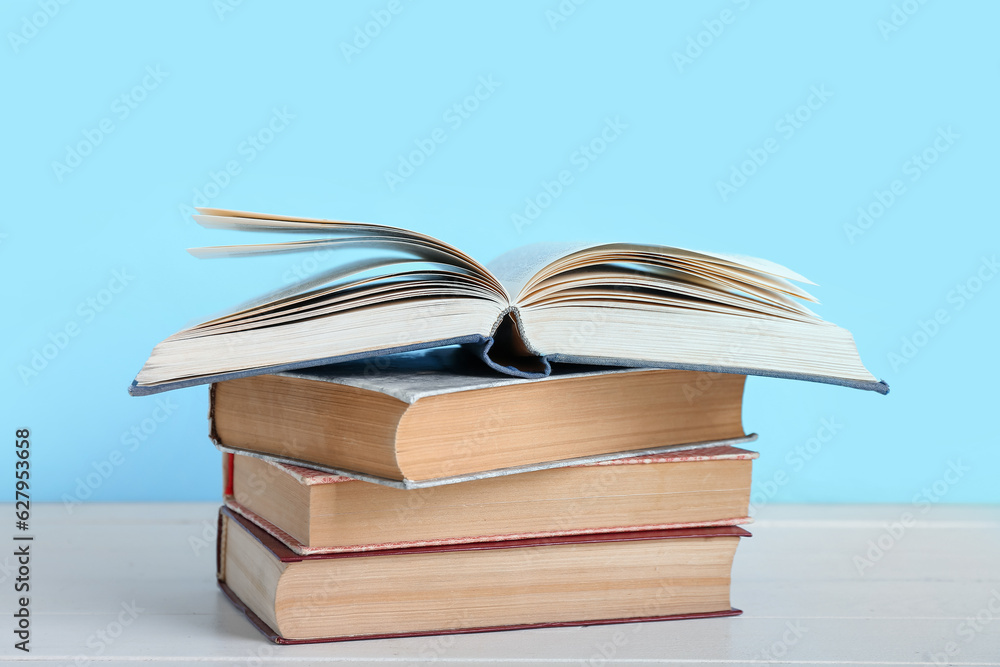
pixel 220 547
pixel 228 460
pixel 211 415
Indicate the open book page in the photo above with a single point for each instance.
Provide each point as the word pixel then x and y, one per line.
pixel 382 244
pixel 535 272
pixel 305 286
pixel 411 291
pixel 659 286
pixel 351 285
pixel 645 305
pixel 334 234
pixel 245 221
pixel 368 331
pixel 437 269
pixel 646 335
pixel 518 267
pixel 374 290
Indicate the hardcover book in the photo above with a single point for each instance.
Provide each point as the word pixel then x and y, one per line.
pixel 616 304
pixel 571 580
pixel 314 512
pixel 427 418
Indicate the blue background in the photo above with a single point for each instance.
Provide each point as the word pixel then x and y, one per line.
pixel 891 81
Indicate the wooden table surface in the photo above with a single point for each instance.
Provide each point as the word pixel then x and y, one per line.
pixel 819 584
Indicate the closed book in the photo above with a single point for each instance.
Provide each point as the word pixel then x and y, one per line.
pixel 313 512
pixel 619 577
pixel 424 419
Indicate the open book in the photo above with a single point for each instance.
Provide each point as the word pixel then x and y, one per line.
pixel 615 304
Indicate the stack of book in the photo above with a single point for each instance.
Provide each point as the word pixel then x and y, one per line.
pixel 574 461
pixel 476 502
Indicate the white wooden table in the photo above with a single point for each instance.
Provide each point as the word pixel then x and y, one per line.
pixel 126 584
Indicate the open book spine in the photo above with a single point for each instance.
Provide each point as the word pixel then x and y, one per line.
pixel 285 555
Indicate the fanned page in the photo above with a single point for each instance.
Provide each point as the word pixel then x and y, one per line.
pixel 411 291
pixel 644 305
pixel 611 304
